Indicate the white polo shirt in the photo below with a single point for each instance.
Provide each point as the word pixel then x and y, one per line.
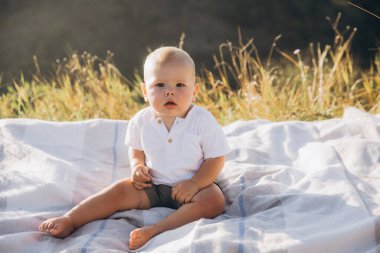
pixel 176 155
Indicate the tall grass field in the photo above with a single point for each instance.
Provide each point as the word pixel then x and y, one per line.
pixel 312 84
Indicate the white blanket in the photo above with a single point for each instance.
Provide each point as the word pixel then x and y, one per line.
pixel 290 187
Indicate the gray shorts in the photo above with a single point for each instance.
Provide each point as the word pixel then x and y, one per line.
pixel 161 196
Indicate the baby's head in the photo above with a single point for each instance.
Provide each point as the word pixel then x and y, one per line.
pixel 169 81
pixel 166 55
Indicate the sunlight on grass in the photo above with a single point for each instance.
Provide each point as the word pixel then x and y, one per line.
pixel 314 84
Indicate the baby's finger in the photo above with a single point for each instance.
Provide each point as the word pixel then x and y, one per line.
pixel 183 200
pixel 142 185
pixel 144 178
pixel 180 197
pixel 140 176
pixel 137 186
pixel 174 193
pixel 140 179
pixel 147 185
pixel 145 173
pixel 187 199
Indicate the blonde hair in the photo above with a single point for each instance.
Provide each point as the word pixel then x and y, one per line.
pixel 164 55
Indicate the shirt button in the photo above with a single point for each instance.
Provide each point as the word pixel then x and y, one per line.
pixel 159 121
pixel 170 140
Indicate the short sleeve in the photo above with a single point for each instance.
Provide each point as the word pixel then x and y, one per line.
pixel 214 142
pixel 133 136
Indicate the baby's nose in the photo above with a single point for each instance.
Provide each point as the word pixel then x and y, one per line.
pixel 169 93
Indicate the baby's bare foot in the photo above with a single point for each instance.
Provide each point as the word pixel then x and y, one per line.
pixel 59 227
pixel 140 236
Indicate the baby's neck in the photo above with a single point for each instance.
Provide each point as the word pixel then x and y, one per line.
pixel 169 122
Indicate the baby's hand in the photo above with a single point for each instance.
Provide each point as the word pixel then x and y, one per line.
pixel 184 191
pixel 140 177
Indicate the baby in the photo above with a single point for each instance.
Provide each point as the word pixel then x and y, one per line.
pixel 176 152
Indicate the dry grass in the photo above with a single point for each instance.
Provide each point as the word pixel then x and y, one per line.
pixel 306 85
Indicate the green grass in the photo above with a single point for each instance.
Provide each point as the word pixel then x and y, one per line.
pixel 314 84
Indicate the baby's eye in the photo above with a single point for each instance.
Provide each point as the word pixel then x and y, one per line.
pixel 159 85
pixel 180 85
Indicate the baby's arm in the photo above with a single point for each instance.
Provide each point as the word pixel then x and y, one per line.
pixel 205 176
pixel 208 172
pixel 140 173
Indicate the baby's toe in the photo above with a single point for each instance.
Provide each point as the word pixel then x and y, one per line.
pixel 133 235
pixel 42 227
pixel 50 225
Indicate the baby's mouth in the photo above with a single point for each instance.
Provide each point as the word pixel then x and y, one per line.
pixel 170 103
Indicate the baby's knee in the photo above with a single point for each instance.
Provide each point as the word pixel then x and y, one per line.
pixel 122 187
pixel 128 197
pixel 217 204
pixel 212 205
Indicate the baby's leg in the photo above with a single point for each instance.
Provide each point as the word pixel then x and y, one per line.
pixel 121 195
pixel 208 203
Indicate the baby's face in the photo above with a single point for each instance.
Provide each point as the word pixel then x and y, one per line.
pixel 170 89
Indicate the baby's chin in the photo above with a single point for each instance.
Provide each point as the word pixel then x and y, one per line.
pixel 171 113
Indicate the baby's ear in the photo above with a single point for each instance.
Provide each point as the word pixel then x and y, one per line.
pixel 143 90
pixel 196 88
